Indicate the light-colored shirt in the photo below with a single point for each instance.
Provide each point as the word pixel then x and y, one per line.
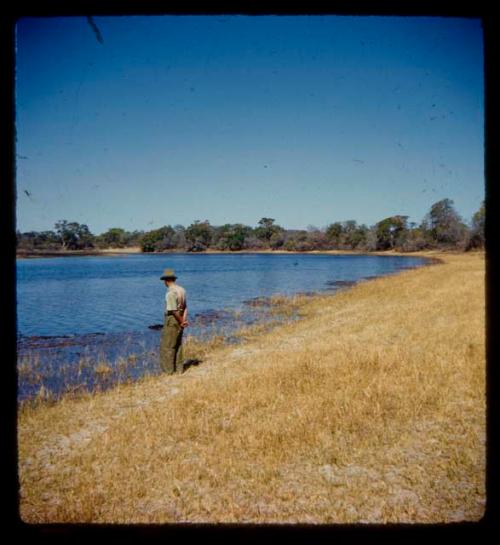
pixel 175 298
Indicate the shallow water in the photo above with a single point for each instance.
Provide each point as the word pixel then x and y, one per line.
pixel 99 307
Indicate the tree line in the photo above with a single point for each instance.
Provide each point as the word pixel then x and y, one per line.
pixel 442 227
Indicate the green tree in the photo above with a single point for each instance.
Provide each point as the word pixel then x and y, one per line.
pixel 252 242
pixel 166 241
pixel 277 239
pixel 334 233
pixel 476 239
pixel 198 236
pixel 133 238
pixel 148 240
pixel 294 240
pixel 426 232
pixel 47 240
pixel 179 238
pixel 266 229
pixel 390 231
pixel 316 238
pixel 357 237
pixel 347 234
pixel 85 237
pixel 66 233
pixel 371 239
pixel 236 237
pixel 446 226
pixel 74 235
pixel 115 237
pixel 353 235
pixel 416 239
pixel 231 236
pixel 26 241
pixel 158 240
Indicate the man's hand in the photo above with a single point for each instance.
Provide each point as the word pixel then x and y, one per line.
pixel 178 317
pixel 185 323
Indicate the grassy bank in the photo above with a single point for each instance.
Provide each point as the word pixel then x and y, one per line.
pixel 369 408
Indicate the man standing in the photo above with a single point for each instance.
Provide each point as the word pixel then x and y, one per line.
pixel 171 352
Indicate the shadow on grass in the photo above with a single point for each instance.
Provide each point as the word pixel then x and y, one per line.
pixel 193 362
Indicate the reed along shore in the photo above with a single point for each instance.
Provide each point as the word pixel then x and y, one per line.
pixel 369 408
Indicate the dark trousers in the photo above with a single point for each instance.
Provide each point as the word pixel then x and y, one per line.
pixel 171 351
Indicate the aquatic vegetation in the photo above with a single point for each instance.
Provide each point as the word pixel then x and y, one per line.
pixel 96 372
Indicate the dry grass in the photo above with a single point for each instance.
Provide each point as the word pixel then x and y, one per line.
pixel 370 408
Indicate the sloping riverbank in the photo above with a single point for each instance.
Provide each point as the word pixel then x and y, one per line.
pixel 371 407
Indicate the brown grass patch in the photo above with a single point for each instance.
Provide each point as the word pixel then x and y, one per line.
pixel 371 408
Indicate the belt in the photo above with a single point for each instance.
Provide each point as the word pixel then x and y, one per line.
pixel 171 312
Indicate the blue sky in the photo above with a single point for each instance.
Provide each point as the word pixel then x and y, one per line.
pixel 307 120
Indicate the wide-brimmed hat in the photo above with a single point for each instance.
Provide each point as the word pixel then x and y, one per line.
pixel 168 274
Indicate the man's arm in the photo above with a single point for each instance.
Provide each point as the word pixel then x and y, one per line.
pixel 172 306
pixel 177 315
pixel 181 317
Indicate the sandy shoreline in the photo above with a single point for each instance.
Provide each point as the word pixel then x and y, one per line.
pixel 370 407
pixel 78 253
pixel 137 250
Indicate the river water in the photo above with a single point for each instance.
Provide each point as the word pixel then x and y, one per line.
pixel 69 308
